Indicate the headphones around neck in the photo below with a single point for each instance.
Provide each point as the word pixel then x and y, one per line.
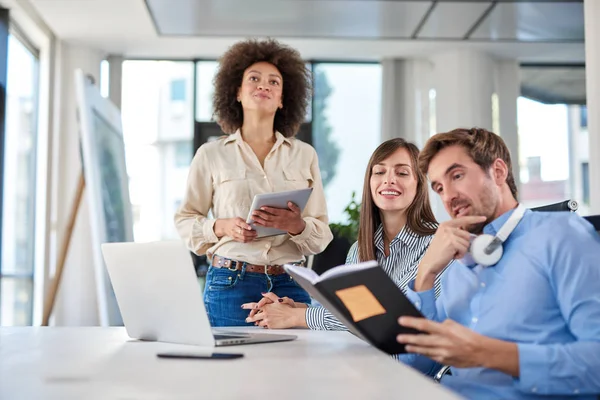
pixel 487 249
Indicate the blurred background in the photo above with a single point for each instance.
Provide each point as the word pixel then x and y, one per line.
pixel 381 69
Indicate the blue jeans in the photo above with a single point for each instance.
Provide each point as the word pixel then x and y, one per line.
pixel 226 290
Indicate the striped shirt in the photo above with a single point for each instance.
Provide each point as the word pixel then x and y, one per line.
pixel 406 251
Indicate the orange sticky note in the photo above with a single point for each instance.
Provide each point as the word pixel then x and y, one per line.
pixel 361 303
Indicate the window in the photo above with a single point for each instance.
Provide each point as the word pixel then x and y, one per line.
pixel 183 154
pixel 496 114
pixel 583 116
pixel 585 182
pixel 152 133
pixel 178 89
pixel 205 73
pixel 346 105
pixel 18 215
pixel 104 78
pixel 543 152
pixel 432 113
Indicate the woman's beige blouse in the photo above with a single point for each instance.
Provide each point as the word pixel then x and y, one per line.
pixel 224 177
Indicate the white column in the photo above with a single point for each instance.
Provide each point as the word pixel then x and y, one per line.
pixel 508 89
pixel 592 77
pixel 464 84
pixel 115 79
pixel 76 302
pixel 405 100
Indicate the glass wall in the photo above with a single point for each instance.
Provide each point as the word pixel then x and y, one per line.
pixel 346 128
pixel 18 219
pixel 544 152
pixel 157 111
pixel 579 151
pixel 205 72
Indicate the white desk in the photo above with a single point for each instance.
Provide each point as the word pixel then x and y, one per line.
pixel 103 363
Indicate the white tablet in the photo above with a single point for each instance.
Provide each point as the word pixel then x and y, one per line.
pixel 279 200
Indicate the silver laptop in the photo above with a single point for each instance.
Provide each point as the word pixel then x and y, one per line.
pixel 160 298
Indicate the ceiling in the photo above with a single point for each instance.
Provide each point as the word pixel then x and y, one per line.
pixel 533 32
pixel 366 19
pixel 554 84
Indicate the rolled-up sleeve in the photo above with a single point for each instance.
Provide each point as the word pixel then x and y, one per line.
pixel 316 235
pixel 191 219
pixel 320 319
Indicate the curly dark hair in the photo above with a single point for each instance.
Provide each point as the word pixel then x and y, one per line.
pixel 296 91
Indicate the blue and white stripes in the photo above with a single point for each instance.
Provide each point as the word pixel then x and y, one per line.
pixel 406 251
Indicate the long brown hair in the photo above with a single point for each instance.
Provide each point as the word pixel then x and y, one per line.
pixel 419 217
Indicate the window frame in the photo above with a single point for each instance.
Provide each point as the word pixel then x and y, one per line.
pixel 18 34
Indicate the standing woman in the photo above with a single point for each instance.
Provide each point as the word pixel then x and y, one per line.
pixel 261 93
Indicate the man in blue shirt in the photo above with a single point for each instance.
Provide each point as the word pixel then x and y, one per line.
pixel 527 326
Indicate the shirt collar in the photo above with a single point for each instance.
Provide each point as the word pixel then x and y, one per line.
pixel 406 236
pixel 237 136
pixel 493 227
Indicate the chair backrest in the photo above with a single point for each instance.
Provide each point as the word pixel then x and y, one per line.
pixel 594 220
pixel 567 205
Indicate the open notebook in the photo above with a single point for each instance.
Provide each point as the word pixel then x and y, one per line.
pixel 364 298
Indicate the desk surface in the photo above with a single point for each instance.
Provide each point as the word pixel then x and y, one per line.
pixel 103 363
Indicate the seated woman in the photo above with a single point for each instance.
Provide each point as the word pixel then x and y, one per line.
pixel 396 226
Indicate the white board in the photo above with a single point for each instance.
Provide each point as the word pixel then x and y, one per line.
pixel 106 185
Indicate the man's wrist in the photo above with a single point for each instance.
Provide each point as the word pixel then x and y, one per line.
pixel 424 281
pixel 498 355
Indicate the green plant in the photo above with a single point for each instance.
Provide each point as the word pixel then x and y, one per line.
pixel 349 230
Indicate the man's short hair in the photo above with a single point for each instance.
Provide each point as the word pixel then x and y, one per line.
pixel 483 146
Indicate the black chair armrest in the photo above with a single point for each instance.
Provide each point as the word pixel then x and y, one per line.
pixel 567 205
pixel 594 220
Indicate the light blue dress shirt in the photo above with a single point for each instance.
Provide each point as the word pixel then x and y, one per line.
pixel 544 295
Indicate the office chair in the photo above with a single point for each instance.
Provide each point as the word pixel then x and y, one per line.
pixel 595 221
pixel 567 205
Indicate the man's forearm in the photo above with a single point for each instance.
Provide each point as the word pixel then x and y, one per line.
pixel 500 355
pixel 424 281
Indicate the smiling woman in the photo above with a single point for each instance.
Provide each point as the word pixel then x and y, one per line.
pixel 261 94
pixel 396 226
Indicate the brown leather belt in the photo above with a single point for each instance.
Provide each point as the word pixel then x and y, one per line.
pixel 234 265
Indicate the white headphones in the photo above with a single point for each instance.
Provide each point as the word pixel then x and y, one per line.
pixel 487 249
